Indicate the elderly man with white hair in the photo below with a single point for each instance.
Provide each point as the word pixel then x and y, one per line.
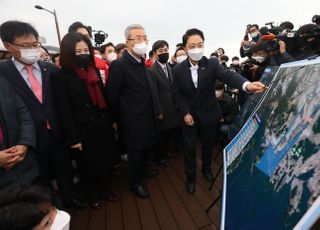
pixel 131 95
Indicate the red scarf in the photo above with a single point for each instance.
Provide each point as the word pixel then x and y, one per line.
pixel 90 77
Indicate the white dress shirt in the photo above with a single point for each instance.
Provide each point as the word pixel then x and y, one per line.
pixel 165 68
pixel 137 59
pixel 194 74
pixel 22 70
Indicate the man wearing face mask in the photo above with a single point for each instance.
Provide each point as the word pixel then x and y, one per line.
pixel 30 78
pixel 246 44
pixel 198 108
pixel 308 45
pixel 235 64
pixel 167 118
pixel 264 54
pixel 130 93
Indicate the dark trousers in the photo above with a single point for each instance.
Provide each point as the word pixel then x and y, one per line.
pixel 163 143
pixel 55 161
pixel 90 189
pixel 137 162
pixel 190 135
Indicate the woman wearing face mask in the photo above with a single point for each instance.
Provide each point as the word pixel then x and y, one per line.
pixel 30 207
pixel 83 110
pixel 180 55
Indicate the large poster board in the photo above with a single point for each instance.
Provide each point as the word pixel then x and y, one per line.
pixel 272 167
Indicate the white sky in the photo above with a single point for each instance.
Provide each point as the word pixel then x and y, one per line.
pixel 223 22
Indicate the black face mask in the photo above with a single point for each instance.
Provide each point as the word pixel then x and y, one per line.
pixel 163 58
pixel 83 60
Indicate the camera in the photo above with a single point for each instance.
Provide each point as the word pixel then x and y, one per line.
pixel 247 65
pixel 99 37
pixel 316 32
pixel 315 18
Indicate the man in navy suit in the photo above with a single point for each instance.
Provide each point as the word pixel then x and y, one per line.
pixel 30 78
pixel 17 139
pixel 198 108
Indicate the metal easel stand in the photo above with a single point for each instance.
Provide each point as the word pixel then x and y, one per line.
pixel 212 183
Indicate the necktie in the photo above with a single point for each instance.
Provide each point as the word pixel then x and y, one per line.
pixel 35 84
pixel 36 87
pixel 166 71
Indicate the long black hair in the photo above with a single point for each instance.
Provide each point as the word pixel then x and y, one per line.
pixel 68 49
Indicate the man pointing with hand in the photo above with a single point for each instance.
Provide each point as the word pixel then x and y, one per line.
pixel 199 112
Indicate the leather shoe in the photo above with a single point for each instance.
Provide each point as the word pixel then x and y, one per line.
pixel 208 175
pixel 163 162
pixel 141 191
pixel 151 173
pixel 191 187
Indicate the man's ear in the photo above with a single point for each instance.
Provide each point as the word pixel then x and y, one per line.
pixel 6 45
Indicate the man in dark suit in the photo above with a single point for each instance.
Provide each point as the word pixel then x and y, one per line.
pixel 130 94
pixel 30 78
pixel 168 117
pixel 17 139
pixel 199 111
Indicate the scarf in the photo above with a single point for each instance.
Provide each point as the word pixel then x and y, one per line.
pixel 90 77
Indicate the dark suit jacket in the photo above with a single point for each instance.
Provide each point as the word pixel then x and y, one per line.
pixel 201 102
pixel 163 92
pixel 130 92
pixel 18 129
pixel 40 113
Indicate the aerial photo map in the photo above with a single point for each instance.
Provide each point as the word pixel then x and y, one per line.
pixel 272 166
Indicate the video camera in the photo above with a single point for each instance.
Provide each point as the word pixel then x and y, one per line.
pixel 99 37
pixel 272 34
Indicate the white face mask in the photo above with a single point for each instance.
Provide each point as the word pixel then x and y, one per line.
pixel 259 59
pixel 30 56
pixel 181 58
pixel 111 57
pixel 235 63
pixel 196 54
pixel 254 34
pixel 61 222
pixel 140 48
pixel 219 93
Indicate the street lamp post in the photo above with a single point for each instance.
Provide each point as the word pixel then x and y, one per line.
pixel 55 19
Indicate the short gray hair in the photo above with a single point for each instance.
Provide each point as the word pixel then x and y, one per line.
pixel 131 27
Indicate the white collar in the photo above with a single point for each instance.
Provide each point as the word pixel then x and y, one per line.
pixel 20 66
pixel 161 64
pixel 192 67
pixel 137 59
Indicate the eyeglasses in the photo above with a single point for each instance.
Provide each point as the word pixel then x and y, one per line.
pixel 28 46
pixel 139 39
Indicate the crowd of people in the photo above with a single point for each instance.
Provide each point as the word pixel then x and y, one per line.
pixel 95 105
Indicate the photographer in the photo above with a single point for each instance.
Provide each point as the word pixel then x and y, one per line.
pixel 316 19
pixel 235 65
pixel 253 31
pixel 308 42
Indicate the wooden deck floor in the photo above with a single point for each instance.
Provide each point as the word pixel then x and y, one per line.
pixel 169 206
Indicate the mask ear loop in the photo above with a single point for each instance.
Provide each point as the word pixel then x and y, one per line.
pixel 14 56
